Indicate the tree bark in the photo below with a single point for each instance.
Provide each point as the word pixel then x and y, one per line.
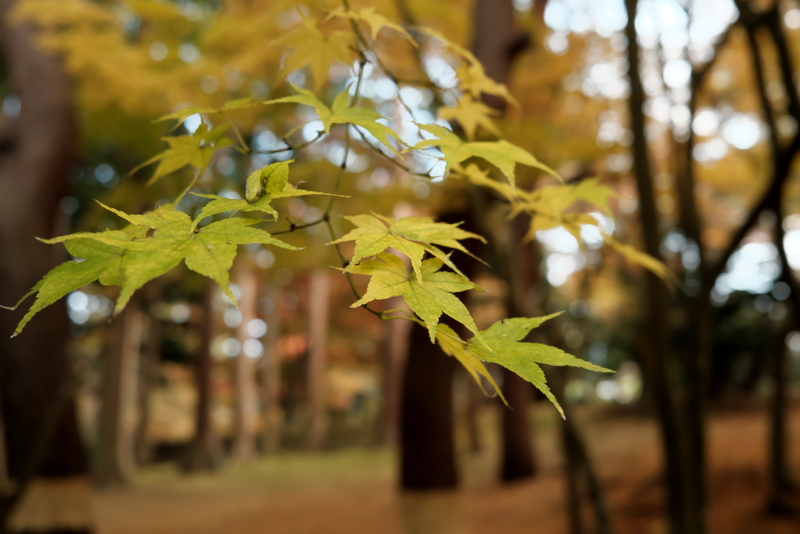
pixel 656 353
pixel 205 450
pixel 497 42
pixel 43 447
pixel 244 392
pixel 270 375
pixel 318 338
pixel 114 454
pixel 427 443
pixel 397 334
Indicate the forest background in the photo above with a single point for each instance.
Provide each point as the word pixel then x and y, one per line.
pixel 672 132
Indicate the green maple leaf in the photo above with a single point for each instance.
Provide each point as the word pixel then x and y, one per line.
pixel 453 345
pixel 341 112
pixel 93 260
pixel 152 245
pixel 262 187
pixel 470 114
pixel 429 298
pixel 376 21
pixel 195 150
pixel 314 49
pixel 505 338
pixel 413 236
pixel 501 154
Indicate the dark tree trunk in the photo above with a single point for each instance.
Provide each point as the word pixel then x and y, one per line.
pixel 396 351
pixel 114 454
pixel 43 448
pixel 517 458
pixel 148 375
pixel 656 351
pixel 427 457
pixel 205 451
pixel 497 42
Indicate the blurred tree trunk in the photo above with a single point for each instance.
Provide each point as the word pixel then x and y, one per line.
pixel 205 450
pixel 318 339
pixel 114 454
pixel 270 374
pixel 43 448
pixel 781 479
pixel 427 443
pixel 244 383
pixel 148 375
pixel 656 349
pixel 497 43
pixel 396 351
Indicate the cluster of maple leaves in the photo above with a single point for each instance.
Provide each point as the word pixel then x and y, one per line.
pixel 155 242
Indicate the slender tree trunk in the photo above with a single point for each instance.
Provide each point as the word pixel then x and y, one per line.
pixel 397 334
pixel 205 450
pixel 114 453
pixel 148 374
pixel 427 443
pixel 497 42
pixel 656 352
pixel 474 398
pixel 782 482
pixel 318 338
pixel 45 456
pixel 270 375
pixel 244 394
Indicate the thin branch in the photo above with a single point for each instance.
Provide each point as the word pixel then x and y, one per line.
pixel 289 146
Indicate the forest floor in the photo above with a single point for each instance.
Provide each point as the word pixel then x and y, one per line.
pixel 354 491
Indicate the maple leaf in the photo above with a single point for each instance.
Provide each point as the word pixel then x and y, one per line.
pixel 453 345
pixel 262 187
pixel 413 236
pixel 195 149
pixel 429 298
pixel 473 80
pixel 505 339
pixel 472 77
pixel 132 257
pixel 501 154
pixel 341 112
pixel 647 261
pixel 470 114
pixel 376 21
pixel 93 260
pixel 314 49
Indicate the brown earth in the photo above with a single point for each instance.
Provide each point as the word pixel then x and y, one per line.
pixel 354 492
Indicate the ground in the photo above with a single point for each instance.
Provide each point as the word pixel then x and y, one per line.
pixel 354 492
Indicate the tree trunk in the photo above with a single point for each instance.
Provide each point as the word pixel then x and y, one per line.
pixel 517 458
pixel 244 393
pixel 656 352
pixel 497 42
pixel 114 455
pixel 148 375
pixel 205 450
pixel 270 375
pixel 43 447
pixel 318 339
pixel 427 443
pixel 397 334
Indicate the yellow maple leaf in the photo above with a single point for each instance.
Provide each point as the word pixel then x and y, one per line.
pixel 314 49
pixel 470 114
